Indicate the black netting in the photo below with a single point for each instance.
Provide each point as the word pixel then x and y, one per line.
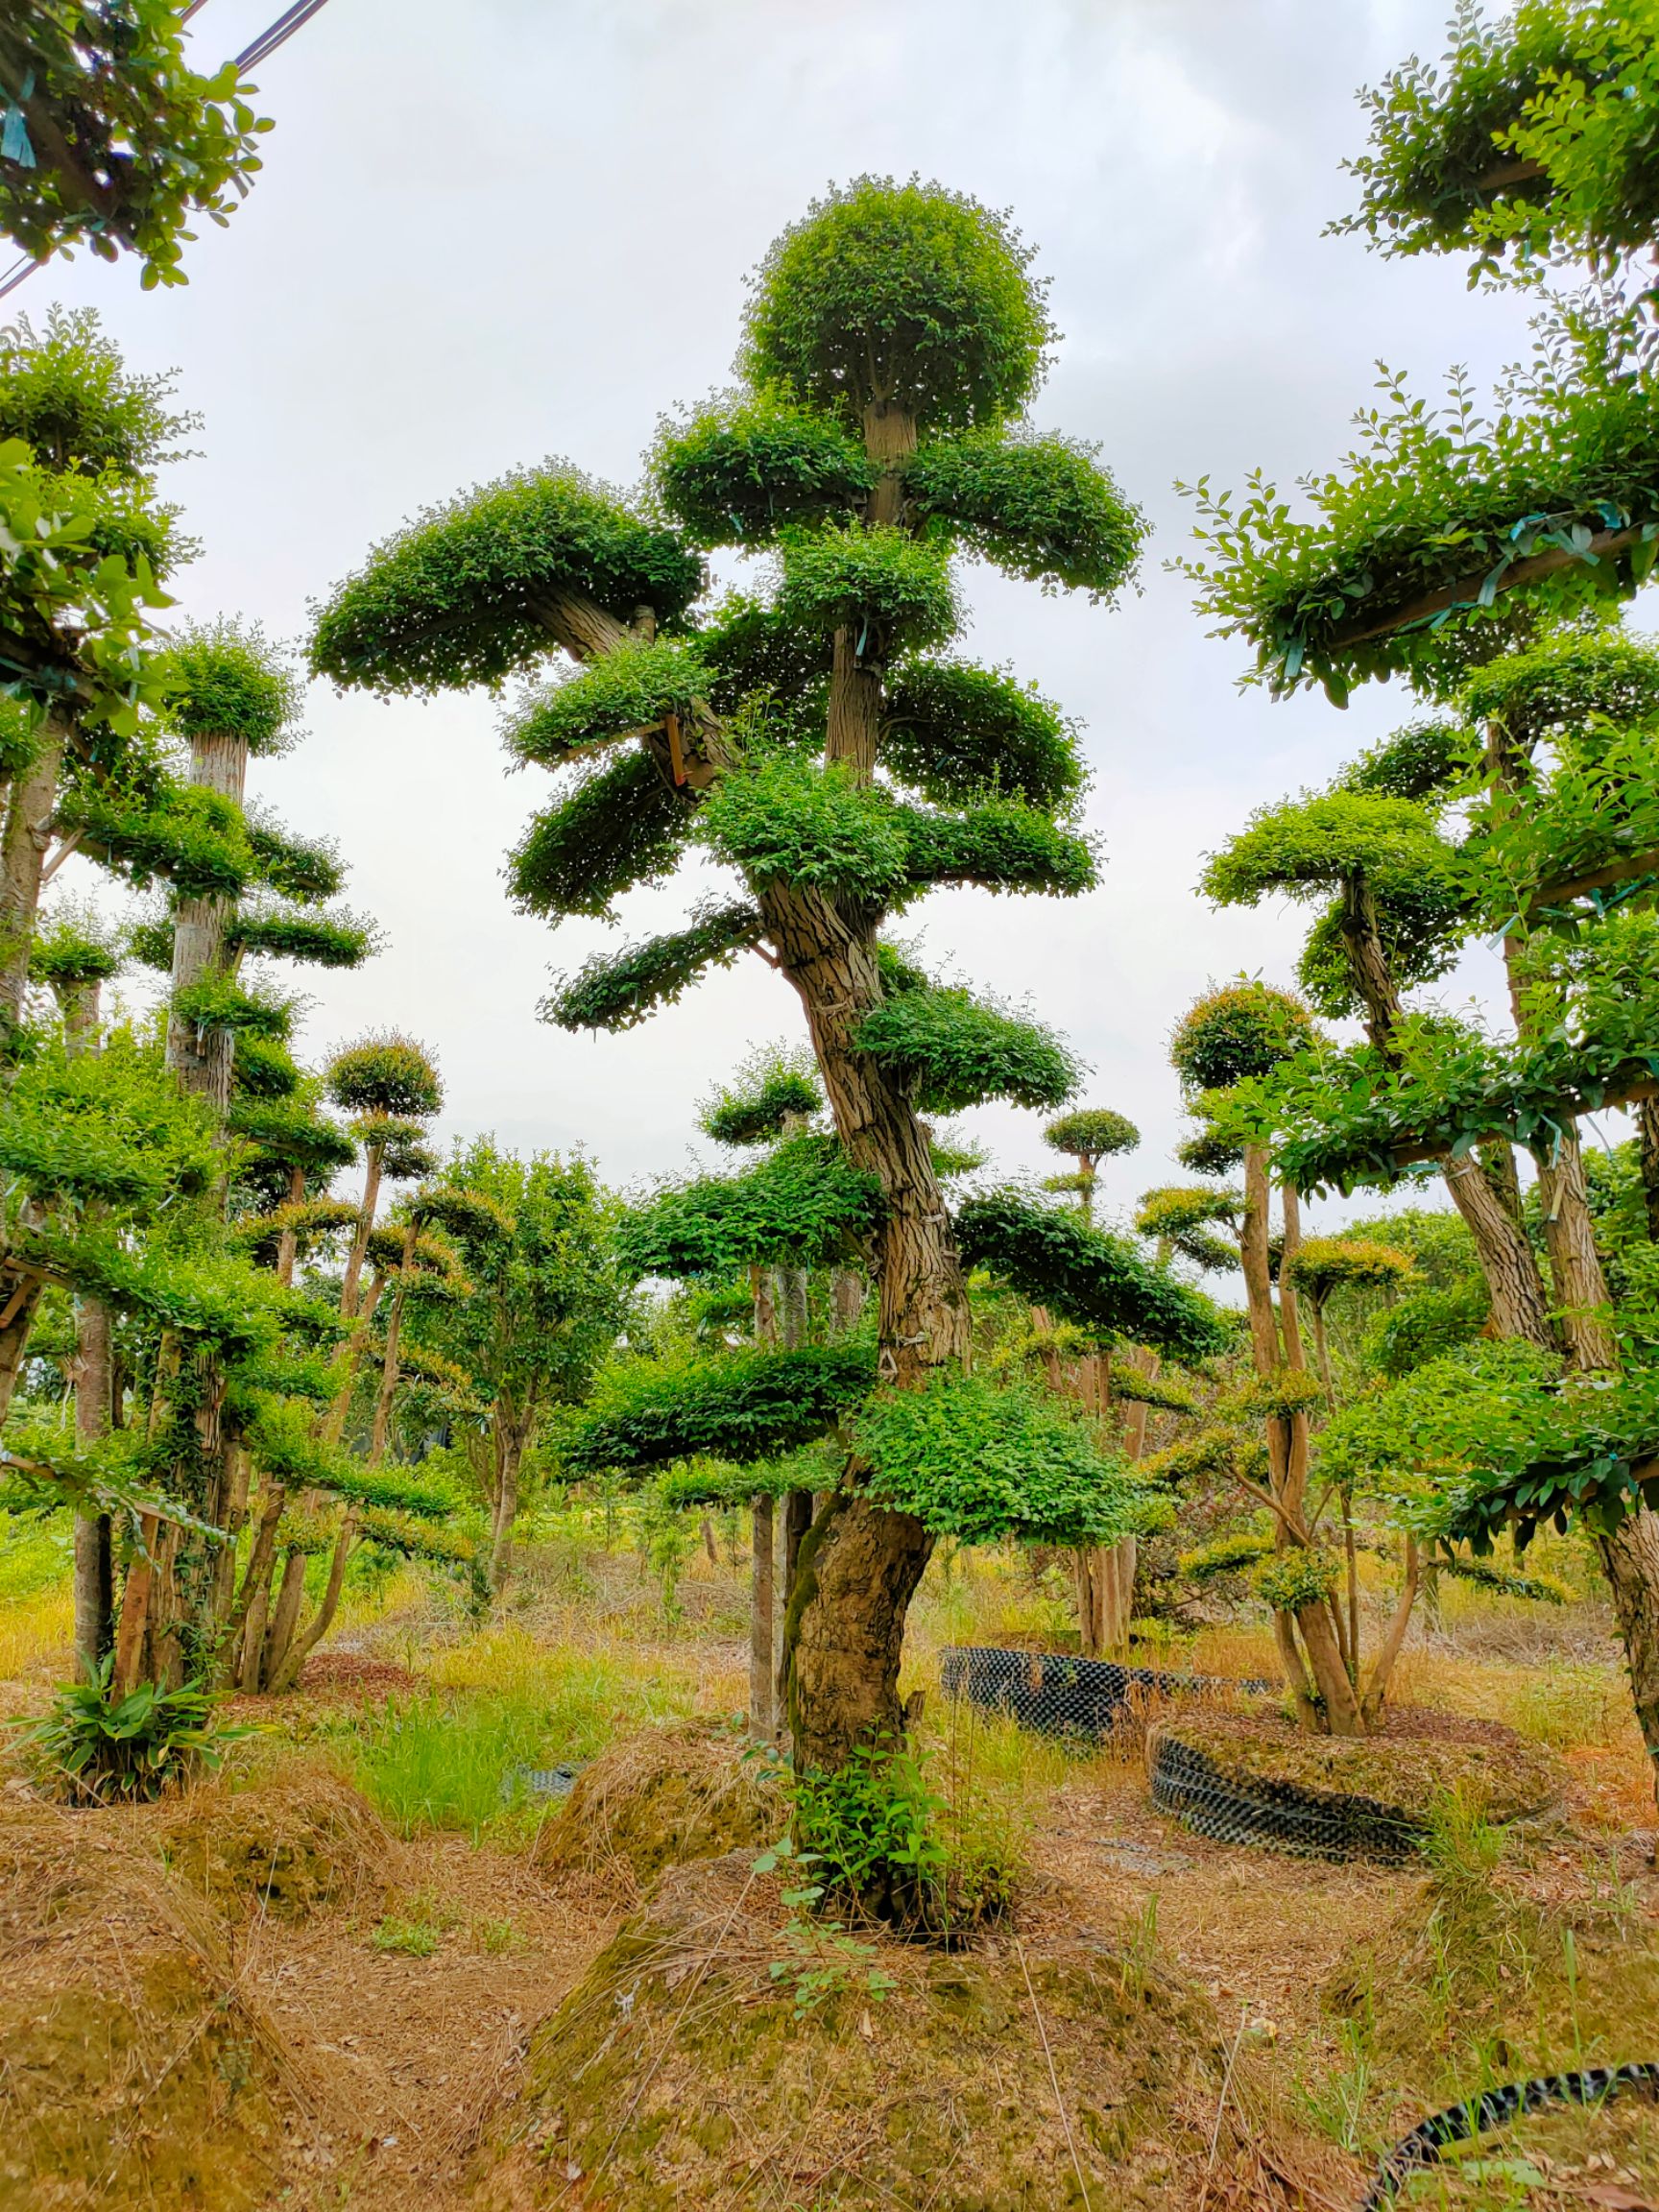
pixel 1497 2108
pixel 1238 1809
pixel 1059 1693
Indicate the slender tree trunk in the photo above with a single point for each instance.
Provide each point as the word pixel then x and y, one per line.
pixel 381 1428
pixel 373 1156
pixel 1574 1264
pixel 94 1566
pixel 24 841
pixel 513 1436
pixel 284 1618
pixel 1647 1142
pixel 288 1241
pixel 245 1631
pixel 762 1708
pixel 1383 1668
pixel 1630 1561
pixel 847 1300
pixel 200 1059
pixel 301 1648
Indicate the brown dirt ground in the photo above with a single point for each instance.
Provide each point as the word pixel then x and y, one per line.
pixel 386 2071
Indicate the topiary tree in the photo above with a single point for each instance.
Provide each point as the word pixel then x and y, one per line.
pixel 1089 1134
pixel 388 1084
pixel 1483 560
pixel 819 741
pixel 1235 1035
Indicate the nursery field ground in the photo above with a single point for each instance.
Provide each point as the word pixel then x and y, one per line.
pixel 330 1964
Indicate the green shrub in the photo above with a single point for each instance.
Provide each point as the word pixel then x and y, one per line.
pixel 110 1751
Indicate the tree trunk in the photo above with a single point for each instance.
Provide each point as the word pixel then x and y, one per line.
pixel 1574 1264
pixel 847 1299
pixel 284 1618
pixel 371 1159
pixel 513 1424
pixel 382 1424
pixel 301 1648
pixel 288 1240
pixel 1520 1304
pixel 200 1059
pixel 94 1566
pixel 23 846
pixel 1630 1560
pixel 1383 1668
pixel 762 1708
pixel 1648 1141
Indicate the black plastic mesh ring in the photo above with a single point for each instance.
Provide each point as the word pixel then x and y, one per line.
pixel 1058 1693
pixel 1235 1809
pixel 1459 2123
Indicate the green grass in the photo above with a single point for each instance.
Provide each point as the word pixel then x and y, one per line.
pixel 430 1762
pixel 35 1554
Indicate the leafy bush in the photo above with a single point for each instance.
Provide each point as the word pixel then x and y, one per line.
pixel 959 1051
pixel 629 689
pixel 919 291
pixel 1041 508
pixel 736 472
pixel 618 989
pixel 622 825
pixel 884 1834
pixel 984 1462
pixel 955 731
pixel 110 1751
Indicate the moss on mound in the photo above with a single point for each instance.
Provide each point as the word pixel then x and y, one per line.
pixel 687 2070
pixel 281 1846
pixel 1404 1773
pixel 130 2068
pixel 660 1798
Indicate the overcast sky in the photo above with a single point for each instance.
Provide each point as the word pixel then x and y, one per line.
pixel 493 232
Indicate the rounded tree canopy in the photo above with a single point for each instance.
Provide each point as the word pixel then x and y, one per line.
pixel 1092 1132
pixel 1173 1210
pixel 1567 685
pixel 65 390
pixel 1208 1153
pixel 1308 846
pixel 627 691
pixel 385 1073
pixel 70 950
pixel 1421 761
pixel 905 295
pixel 958 1051
pixel 1041 509
pixel 895 590
pixel 457 597
pixel 1243 1029
pixel 1324 1265
pixel 290 1133
pixel 223 680
pixel 952 731
pixel 771 1091
pixel 735 472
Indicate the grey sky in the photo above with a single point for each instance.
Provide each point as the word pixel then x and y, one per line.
pixel 491 232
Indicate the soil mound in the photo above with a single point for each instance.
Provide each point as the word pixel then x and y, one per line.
pixel 279 1847
pixel 720 2052
pixel 661 1798
pixel 1262 1765
pixel 131 2067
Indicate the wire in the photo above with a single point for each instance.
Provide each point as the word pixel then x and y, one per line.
pixel 277 34
pixel 280 31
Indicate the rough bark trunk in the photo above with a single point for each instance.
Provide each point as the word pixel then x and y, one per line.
pixel 94 1568
pixel 1648 1139
pixel 24 840
pixel 762 1710
pixel 381 1427
pixel 1388 1652
pixel 354 1259
pixel 284 1618
pixel 1630 1561
pixel 200 1059
pixel 1574 1264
